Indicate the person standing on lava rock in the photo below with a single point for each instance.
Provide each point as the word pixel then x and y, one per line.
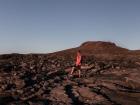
pixel 77 64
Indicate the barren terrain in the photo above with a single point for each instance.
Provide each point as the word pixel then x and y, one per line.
pixel 110 76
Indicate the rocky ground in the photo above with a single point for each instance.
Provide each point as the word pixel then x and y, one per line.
pixel 43 79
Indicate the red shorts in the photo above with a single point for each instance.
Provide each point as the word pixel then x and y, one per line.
pixel 77 67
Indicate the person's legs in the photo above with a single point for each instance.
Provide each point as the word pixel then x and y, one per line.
pixel 79 73
pixel 79 70
pixel 73 68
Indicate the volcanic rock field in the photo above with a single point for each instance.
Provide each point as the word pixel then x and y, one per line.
pixel 110 76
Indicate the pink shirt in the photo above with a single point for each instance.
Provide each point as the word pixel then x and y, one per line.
pixel 78 59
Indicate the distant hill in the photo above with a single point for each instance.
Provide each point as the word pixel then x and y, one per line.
pixel 100 49
pixel 95 47
pixel 89 48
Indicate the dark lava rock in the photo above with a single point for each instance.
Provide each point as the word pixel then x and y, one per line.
pixel 19 83
pixel 110 75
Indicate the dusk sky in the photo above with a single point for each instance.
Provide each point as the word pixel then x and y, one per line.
pixel 42 26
